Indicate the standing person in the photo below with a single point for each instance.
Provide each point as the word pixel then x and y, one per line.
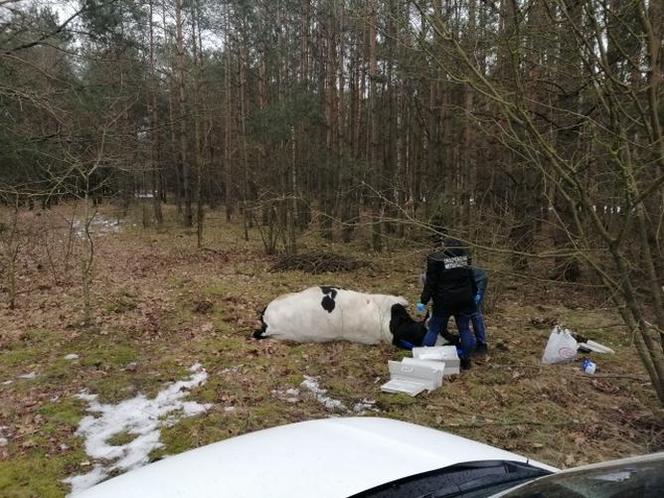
pixel 479 330
pixel 449 283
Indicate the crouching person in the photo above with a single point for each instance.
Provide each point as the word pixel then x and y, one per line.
pixel 449 284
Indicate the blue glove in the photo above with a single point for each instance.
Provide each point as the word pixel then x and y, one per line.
pixel 420 307
pixel 478 298
pixel 405 344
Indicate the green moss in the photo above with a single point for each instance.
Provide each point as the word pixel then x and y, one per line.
pixel 67 411
pixel 294 379
pixel 194 432
pixel 38 475
pixel 219 288
pixel 113 388
pixel 272 411
pixel 340 388
pixel 121 439
pixel 398 400
pixel 17 357
pixel 107 354
pixel 35 337
pixel 225 345
pixel 59 371
pixel 209 392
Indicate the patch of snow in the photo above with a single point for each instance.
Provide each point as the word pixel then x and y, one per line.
pixel 229 409
pixel 311 384
pixel 99 226
pixel 71 356
pixel 289 395
pixel 7 382
pixel 3 442
pixel 82 482
pixel 28 376
pixel 364 406
pixel 139 416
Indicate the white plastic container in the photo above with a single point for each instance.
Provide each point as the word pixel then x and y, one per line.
pixel 446 354
pixel 412 378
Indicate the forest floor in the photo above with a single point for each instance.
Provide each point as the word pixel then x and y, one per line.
pixel 162 306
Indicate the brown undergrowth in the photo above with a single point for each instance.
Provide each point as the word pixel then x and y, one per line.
pixel 161 306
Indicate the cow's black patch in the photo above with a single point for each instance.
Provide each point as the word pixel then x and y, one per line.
pixel 260 333
pixel 404 328
pixel 330 293
pixel 329 290
pixel 328 304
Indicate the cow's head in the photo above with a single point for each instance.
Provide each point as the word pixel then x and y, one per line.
pixel 404 329
pixel 260 333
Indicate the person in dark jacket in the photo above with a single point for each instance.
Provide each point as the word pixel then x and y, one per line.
pixel 450 285
pixel 479 330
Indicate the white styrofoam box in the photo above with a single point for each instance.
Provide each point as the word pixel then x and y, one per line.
pixel 432 353
pixel 412 388
pixel 432 378
pixel 446 354
pixel 596 347
pixel 436 353
pixel 452 370
pixel 437 365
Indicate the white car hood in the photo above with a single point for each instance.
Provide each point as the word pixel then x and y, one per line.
pixel 334 457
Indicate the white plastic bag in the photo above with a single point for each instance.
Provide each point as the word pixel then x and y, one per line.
pixel 561 347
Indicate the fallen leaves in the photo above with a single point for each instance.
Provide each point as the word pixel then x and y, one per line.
pixel 604 387
pixel 182 305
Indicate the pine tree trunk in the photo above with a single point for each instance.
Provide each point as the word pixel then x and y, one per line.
pixel 188 220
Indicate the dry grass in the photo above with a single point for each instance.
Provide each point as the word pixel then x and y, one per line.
pixel 161 306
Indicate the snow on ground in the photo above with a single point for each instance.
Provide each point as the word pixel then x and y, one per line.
pixel 312 385
pixel 289 395
pixel 364 406
pixel 27 376
pixel 82 482
pixel 140 417
pixel 4 432
pixel 99 226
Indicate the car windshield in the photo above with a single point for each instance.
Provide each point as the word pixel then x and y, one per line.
pixel 644 479
pixel 468 480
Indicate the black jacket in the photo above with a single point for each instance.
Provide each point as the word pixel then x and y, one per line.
pixel 449 279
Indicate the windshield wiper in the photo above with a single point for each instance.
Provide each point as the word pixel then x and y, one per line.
pixel 488 481
pixel 469 479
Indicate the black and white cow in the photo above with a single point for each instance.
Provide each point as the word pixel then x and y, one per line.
pixel 320 314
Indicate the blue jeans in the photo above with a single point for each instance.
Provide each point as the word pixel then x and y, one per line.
pixel 438 324
pixel 478 325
